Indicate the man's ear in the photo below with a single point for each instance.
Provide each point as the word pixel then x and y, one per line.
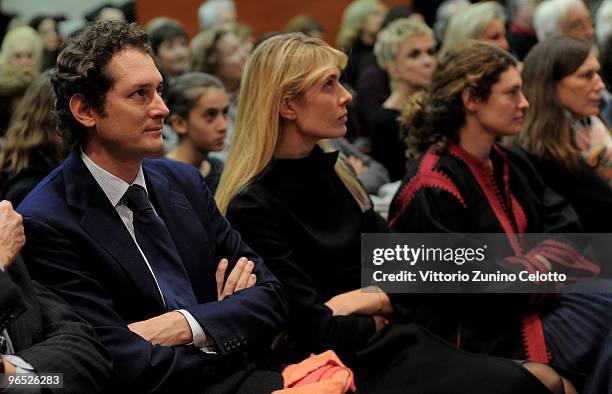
pixel 470 102
pixel 288 109
pixel 178 123
pixel 82 111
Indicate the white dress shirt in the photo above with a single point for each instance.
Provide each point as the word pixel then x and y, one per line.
pixel 115 188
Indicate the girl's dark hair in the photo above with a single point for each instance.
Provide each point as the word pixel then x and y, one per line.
pixel 187 89
pixel 434 118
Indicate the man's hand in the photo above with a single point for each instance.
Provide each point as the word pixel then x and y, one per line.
pixel 240 277
pixel 169 329
pixel 12 236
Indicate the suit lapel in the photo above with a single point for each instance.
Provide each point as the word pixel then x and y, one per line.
pixel 102 222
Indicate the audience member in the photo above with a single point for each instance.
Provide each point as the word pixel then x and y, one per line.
pixel 303 209
pixel 444 13
pixel 220 52
pixel 14 82
pixel 33 146
pixel 605 59
pixel 482 21
pixel 466 183
pixel 569 145
pixel 603 21
pixel 373 85
pixel 107 12
pixel 603 31
pixel 405 49
pixel 22 47
pixel 198 108
pixel 39 333
pixel 305 24
pixel 361 21
pixel 170 44
pixel 521 35
pixel 137 246
pixel 46 26
pixel 563 17
pixel 216 12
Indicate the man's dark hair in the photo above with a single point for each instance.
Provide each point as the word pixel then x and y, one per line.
pixel 81 68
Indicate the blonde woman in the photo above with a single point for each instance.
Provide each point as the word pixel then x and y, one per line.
pixel 22 47
pixel 360 24
pixel 405 49
pixel 301 208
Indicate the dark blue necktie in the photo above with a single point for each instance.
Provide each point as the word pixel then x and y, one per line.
pixel 155 241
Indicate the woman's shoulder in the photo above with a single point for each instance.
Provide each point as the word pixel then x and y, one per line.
pixel 255 196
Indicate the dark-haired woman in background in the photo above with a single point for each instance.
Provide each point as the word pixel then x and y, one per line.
pixel 32 145
pixel 567 142
pixel 170 43
pixel 46 26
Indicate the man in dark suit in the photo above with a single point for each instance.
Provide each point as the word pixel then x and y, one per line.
pixel 133 244
pixel 39 333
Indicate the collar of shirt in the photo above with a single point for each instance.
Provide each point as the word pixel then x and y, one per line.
pixel 114 187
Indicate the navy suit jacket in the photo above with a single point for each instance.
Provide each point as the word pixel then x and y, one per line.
pixel 78 246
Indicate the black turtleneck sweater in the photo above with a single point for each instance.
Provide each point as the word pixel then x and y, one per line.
pixel 302 220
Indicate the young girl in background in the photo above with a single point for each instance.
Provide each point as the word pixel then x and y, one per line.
pixel 198 113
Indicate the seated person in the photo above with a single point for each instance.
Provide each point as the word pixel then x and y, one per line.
pixel 33 147
pixel 405 49
pixel 170 43
pixel 303 210
pixel 198 108
pixel 39 332
pixel 133 244
pixel 465 182
pixel 567 142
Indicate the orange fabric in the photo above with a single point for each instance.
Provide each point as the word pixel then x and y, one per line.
pixel 319 374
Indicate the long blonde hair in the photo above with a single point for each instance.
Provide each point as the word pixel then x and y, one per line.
pixel 283 66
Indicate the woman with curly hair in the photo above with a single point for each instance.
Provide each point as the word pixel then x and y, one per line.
pixel 464 182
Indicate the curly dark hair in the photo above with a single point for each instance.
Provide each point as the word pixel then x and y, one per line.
pixel 434 118
pixel 81 69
